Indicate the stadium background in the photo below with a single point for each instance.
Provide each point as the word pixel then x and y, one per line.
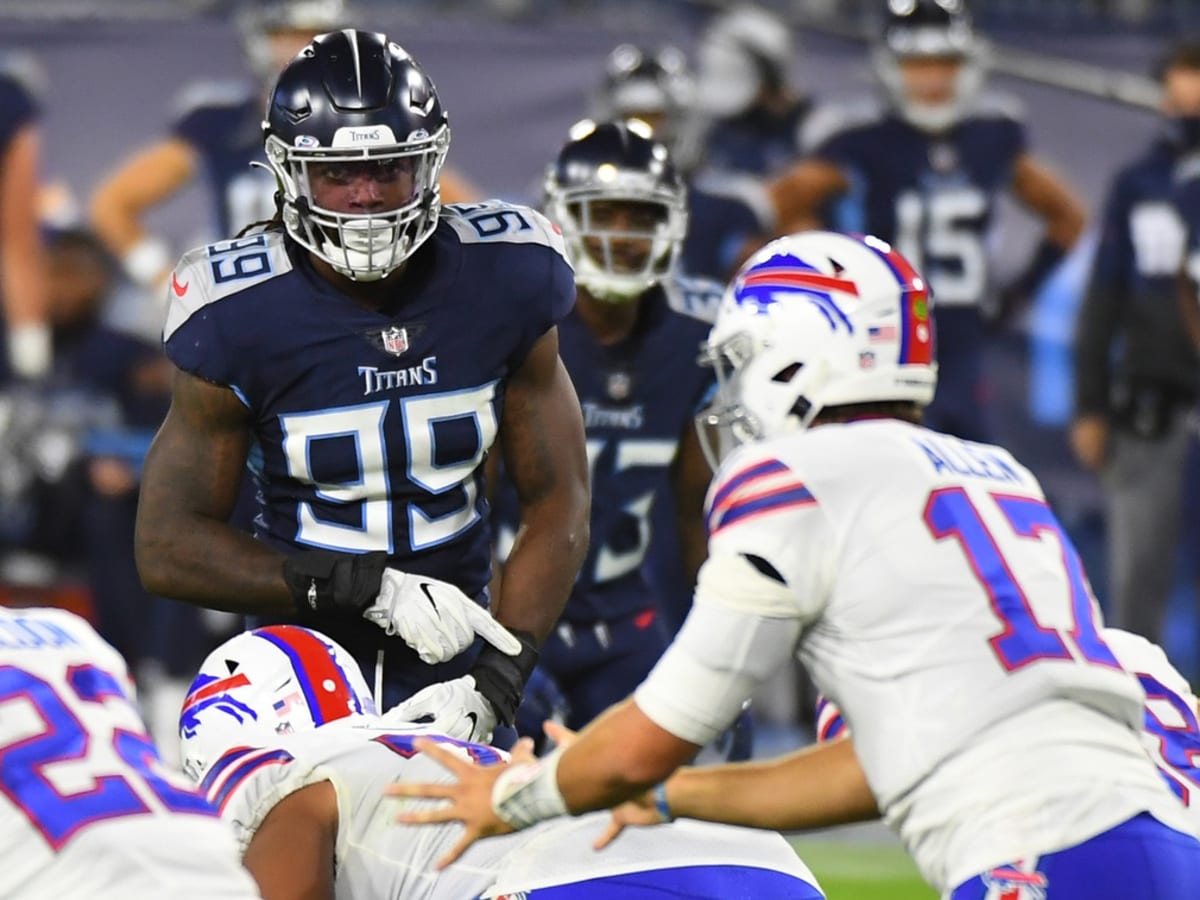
pixel 514 74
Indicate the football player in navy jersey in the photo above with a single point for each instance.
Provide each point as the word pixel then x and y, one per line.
pixel 23 286
pixel 215 133
pixel 1135 369
pixel 365 354
pixel 754 113
pixel 630 348
pixel 923 171
pixel 725 213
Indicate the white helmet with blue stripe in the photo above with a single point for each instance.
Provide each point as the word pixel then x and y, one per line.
pixel 815 320
pixel 263 685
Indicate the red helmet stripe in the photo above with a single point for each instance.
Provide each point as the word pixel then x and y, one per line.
pixel 324 685
pixel 801 278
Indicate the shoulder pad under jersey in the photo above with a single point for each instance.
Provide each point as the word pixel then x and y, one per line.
pixel 216 271
pixel 498 221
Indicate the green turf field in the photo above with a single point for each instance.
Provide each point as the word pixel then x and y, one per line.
pixel 863 871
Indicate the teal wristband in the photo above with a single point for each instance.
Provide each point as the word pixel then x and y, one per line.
pixel 660 802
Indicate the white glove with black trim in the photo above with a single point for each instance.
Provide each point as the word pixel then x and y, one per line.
pixel 453 708
pixel 435 618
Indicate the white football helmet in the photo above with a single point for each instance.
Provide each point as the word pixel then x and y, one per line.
pixel 265 684
pixel 814 320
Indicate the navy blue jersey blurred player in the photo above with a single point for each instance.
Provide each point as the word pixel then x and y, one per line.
pixel 923 170
pixel 751 114
pixel 725 212
pixel 630 347
pixel 1136 371
pixel 215 134
pixel 22 257
pixel 365 354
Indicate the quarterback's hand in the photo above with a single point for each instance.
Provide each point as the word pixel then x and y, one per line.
pixel 641 810
pixel 470 797
pixel 453 708
pixel 435 618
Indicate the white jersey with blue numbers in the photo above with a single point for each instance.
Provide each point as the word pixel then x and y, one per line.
pixel 378 858
pixel 935 598
pixel 87 808
pixel 1171 731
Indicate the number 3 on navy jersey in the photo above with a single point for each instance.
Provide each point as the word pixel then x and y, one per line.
pixel 950 513
pixel 364 424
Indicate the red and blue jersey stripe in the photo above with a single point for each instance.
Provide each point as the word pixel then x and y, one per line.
pixel 763 487
pixel 234 768
pixel 830 723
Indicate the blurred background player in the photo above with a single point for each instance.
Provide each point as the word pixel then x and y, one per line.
pixel 217 133
pixel 87 807
pixel 299 772
pixel 924 171
pixel 921 578
pixel 725 213
pixel 372 345
pixel 629 345
pixel 71 446
pixel 750 115
pixel 22 257
pixel 1136 371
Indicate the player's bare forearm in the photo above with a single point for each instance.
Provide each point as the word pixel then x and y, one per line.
pixel 292 852
pixel 1189 306
pixel 617 757
pixel 690 477
pixel 184 546
pixel 798 195
pixel 816 787
pixel 145 180
pixel 22 257
pixel 1059 207
pixel 544 453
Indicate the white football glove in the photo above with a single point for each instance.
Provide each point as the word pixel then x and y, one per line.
pixel 453 708
pixel 435 618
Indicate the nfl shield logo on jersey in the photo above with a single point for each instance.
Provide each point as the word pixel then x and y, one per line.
pixel 1010 883
pixel 395 340
pixel 619 385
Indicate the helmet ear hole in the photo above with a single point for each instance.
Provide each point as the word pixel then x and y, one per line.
pixel 786 374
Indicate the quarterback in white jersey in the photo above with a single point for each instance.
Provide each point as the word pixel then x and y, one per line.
pixel 282 735
pixel 926 586
pixel 88 808
pixel 1170 726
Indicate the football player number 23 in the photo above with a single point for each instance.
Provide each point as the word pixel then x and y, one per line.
pixel 50 774
pixel 951 514
pixel 450 485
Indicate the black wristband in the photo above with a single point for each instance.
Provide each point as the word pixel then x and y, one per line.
pixel 501 678
pixel 326 581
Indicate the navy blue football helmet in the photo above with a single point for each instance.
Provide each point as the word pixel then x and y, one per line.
pixel 355 96
pixel 651 85
pixel 617 162
pixel 930 29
